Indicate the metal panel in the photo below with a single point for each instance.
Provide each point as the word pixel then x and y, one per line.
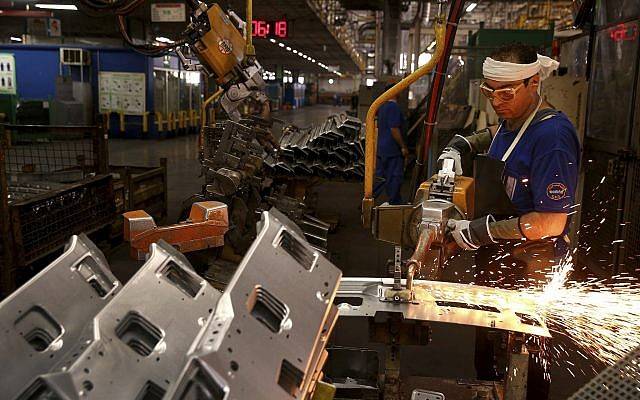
pixel 452 303
pixel 266 337
pixel 141 339
pixel 620 381
pixel 53 307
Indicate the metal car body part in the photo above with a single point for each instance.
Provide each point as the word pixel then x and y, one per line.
pixel 208 222
pixel 444 302
pixel 267 335
pixel 43 321
pixel 136 345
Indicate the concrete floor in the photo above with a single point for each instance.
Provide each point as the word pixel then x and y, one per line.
pixel 352 248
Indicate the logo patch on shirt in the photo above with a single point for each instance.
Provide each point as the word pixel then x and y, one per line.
pixel 557 191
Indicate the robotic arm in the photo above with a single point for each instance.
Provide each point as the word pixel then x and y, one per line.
pixel 215 40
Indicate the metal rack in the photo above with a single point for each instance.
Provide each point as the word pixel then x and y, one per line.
pixel 53 182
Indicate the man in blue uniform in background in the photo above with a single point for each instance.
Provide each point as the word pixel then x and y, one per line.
pixel 536 151
pixel 392 150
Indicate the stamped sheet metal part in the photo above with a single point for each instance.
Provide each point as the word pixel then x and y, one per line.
pixel 266 337
pixel 208 222
pixel 42 322
pixel 443 302
pixel 138 344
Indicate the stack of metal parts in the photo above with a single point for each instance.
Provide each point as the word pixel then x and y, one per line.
pixel 232 162
pixel 73 331
pixel 25 190
pixel 332 149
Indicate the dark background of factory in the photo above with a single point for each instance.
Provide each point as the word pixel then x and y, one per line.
pixel 91 129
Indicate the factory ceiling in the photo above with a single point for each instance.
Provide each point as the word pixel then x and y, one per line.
pixel 333 33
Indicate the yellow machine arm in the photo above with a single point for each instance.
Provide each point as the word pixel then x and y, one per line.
pixel 371 140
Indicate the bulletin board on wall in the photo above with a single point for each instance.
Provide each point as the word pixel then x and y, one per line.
pixel 122 92
pixel 7 74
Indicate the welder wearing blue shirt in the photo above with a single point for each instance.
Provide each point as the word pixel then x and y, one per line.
pixel 536 152
pixel 391 151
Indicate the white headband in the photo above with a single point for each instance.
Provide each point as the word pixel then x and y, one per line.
pixel 506 72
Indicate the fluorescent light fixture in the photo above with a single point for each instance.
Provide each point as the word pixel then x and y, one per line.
pixel 301 80
pixel 471 7
pixel 431 46
pixel 57 7
pixel 163 39
pixel 272 40
pixel 16 39
pixel 331 81
pixel 281 44
pixel 288 48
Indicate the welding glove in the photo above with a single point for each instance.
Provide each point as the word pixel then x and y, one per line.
pixel 470 235
pixel 456 147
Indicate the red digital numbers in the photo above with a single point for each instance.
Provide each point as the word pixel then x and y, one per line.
pixel 281 29
pixel 624 32
pixel 260 28
pixel 265 29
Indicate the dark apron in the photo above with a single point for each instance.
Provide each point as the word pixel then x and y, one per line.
pixel 509 265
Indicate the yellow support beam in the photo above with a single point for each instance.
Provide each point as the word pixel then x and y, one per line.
pixel 371 139
pixel 159 121
pixel 145 122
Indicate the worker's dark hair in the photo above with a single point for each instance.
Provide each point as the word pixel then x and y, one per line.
pixel 518 53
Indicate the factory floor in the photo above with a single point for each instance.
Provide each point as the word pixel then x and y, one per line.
pixel 352 248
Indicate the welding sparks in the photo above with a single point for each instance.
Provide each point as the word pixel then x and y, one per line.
pixel 601 317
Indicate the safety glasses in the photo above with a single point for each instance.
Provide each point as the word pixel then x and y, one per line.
pixel 504 94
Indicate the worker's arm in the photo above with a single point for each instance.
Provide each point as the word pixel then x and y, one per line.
pixel 397 136
pixel 471 235
pixel 532 226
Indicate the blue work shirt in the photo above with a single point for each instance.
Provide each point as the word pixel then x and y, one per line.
pixel 389 116
pixel 541 174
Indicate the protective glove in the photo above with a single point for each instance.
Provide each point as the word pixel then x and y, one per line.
pixel 470 235
pixel 453 154
pixel 457 146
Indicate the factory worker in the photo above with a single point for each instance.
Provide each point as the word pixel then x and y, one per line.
pixel 392 150
pixel 533 154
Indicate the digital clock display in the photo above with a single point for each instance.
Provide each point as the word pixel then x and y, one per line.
pixel 270 29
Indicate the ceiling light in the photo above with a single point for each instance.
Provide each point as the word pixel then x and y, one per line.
pixel 313 60
pixel 301 80
pixel 162 39
pixel 16 39
pixel 331 81
pixel 281 44
pixel 471 7
pixel 369 82
pixel 57 7
pixel 288 48
pixel 295 51
pixel 371 55
pixel 431 46
pixel 272 40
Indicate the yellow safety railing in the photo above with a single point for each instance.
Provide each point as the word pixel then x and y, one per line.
pixel 371 139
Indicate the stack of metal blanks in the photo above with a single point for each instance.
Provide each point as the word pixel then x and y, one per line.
pixel 74 331
pixel 332 149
